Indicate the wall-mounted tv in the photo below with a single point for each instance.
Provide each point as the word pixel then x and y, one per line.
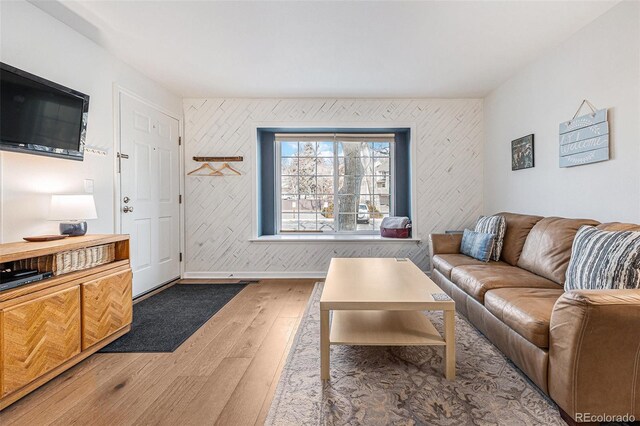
pixel 41 117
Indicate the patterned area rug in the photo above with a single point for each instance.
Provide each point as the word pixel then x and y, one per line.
pixel 404 385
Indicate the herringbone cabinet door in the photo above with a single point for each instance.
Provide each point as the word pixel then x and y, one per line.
pixel 106 307
pixel 38 336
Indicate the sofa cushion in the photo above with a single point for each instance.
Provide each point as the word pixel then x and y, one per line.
pixel 604 260
pixel 476 280
pixel 517 229
pixel 446 262
pixel 477 245
pixel 526 310
pixel 547 250
pixel 532 360
pixel 495 225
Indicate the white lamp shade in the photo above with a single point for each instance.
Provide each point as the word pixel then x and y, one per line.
pixel 72 207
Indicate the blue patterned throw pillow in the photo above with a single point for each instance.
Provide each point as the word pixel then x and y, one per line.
pixel 604 260
pixel 477 245
pixel 495 225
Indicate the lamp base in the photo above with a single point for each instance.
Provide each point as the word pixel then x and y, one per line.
pixel 73 229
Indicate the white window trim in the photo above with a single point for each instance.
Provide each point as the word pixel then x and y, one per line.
pixel 278 193
pixel 252 132
pixel 331 238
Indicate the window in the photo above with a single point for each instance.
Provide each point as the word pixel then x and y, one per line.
pixel 330 181
pixel 333 182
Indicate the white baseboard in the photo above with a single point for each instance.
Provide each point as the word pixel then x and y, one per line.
pixel 252 275
pixel 257 275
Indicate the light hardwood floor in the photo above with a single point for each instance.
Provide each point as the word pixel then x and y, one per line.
pixel 224 374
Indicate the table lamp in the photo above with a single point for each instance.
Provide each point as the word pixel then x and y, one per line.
pixel 73 211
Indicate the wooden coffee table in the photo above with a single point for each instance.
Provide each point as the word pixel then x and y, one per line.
pixel 379 302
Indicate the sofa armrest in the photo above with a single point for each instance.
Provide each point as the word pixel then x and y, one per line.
pixel 594 353
pixel 444 243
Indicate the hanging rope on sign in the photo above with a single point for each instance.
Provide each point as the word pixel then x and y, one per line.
pixel 589 104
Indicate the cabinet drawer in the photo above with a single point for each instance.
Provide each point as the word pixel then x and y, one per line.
pixel 38 336
pixel 106 307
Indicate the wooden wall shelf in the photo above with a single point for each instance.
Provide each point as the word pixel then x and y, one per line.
pixel 76 313
pixel 217 159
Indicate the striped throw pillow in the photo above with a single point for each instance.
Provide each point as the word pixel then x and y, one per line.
pixel 497 226
pixel 477 245
pixel 604 260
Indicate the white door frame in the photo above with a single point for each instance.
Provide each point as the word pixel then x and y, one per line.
pixel 117 225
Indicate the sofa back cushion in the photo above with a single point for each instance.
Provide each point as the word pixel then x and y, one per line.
pixel 547 250
pixel 517 230
pixel 618 226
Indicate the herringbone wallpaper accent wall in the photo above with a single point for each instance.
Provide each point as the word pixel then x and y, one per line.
pixel 218 210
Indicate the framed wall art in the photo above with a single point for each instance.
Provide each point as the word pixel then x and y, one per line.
pixel 522 153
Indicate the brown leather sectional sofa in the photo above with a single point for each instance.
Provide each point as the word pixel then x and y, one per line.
pixel 582 348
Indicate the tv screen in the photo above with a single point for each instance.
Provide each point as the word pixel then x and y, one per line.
pixel 41 117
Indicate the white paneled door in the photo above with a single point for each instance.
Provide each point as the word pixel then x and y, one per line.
pixel 149 192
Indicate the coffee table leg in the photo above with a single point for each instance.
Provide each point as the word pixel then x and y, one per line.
pixel 324 344
pixel 450 347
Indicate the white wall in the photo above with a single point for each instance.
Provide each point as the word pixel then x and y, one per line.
pixel 602 64
pixel 37 43
pixel 448 177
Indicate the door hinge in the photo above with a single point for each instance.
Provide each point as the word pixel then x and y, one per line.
pixel 120 157
pixel 180 257
pixel 180 199
pixel 179 140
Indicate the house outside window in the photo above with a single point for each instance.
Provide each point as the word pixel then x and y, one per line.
pixel 334 183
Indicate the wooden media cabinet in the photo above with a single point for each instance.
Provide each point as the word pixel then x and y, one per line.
pixel 49 326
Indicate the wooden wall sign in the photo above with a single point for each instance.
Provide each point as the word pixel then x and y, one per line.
pixel 584 139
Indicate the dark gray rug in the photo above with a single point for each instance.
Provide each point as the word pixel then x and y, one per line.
pixel 165 320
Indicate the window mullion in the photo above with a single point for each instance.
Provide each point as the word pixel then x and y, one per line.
pixel 278 188
pixel 298 191
pixel 392 171
pixel 374 185
pixel 336 176
pixel 315 216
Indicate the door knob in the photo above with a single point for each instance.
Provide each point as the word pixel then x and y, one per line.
pixel 127 209
pixel 126 200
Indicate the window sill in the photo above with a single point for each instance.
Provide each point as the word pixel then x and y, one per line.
pixel 332 238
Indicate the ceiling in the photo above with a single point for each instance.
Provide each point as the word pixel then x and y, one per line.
pixel 328 49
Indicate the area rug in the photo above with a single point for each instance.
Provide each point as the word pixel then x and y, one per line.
pixel 404 385
pixel 165 320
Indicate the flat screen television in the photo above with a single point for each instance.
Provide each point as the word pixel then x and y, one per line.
pixel 41 117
